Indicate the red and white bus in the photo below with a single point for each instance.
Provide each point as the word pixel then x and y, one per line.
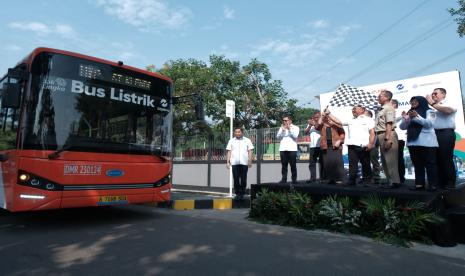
pixel 82 131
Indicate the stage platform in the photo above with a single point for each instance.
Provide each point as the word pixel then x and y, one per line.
pixel 450 198
pixel 448 203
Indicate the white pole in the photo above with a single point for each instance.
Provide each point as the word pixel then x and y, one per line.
pixel 230 167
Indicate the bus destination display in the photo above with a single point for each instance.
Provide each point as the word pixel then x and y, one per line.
pixel 92 72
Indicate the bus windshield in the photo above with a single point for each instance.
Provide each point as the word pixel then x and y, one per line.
pixel 77 104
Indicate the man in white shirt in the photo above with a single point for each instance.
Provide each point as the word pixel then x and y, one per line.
pixel 239 158
pixel 360 139
pixel 444 126
pixel 315 151
pixel 287 134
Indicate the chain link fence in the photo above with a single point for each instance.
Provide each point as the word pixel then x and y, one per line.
pixel 205 147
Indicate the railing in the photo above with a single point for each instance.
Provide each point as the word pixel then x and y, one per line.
pixel 212 147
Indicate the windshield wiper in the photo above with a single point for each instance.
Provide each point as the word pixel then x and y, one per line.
pixel 56 153
pixel 157 151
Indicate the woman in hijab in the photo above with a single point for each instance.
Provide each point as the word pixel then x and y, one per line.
pixel 421 142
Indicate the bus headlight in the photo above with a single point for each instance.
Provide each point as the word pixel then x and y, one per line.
pixel 24 177
pixel 165 180
pixel 50 186
pixel 31 180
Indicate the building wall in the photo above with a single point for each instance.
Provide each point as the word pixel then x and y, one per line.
pixel 197 174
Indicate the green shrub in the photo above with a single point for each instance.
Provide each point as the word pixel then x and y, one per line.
pixel 340 214
pixel 382 219
pixel 302 211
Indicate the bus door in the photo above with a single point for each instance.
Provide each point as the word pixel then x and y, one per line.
pixel 11 87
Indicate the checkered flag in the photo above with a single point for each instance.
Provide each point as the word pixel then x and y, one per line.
pixel 347 95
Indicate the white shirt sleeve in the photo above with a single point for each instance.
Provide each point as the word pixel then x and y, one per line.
pixel 280 133
pixel 229 146
pixel 249 145
pixel 450 104
pixel 371 123
pixel 294 132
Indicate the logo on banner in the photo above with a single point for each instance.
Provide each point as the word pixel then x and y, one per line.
pixel 400 86
pixel 164 103
pixel 55 84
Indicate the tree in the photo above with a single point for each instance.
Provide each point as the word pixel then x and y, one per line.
pixel 459 15
pixel 189 77
pixel 260 100
pixel 301 115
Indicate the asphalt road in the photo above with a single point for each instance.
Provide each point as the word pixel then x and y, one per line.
pixel 142 240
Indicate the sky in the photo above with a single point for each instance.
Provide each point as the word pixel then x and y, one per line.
pixel 311 46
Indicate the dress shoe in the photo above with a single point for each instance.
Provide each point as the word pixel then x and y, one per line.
pixel 308 181
pixel 431 189
pixel 282 181
pixel 417 188
pixel 294 181
pixel 331 182
pixel 391 186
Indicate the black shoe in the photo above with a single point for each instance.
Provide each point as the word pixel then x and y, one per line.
pixel 308 181
pixel 417 188
pixel 431 189
pixel 351 183
pixel 283 181
pixel 331 182
pixel 391 186
pixel 294 181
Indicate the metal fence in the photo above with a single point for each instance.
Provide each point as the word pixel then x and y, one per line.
pixel 212 147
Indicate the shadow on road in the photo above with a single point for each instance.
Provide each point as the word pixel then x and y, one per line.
pixel 73 218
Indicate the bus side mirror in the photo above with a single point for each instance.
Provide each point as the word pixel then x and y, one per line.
pixel 11 95
pixel 199 108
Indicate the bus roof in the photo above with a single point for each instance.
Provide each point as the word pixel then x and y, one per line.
pixel 39 50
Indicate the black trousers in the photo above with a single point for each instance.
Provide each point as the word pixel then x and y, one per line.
pixel 359 154
pixel 240 178
pixel 424 158
pixel 316 156
pixel 445 157
pixel 401 162
pixel 288 157
pixel 334 165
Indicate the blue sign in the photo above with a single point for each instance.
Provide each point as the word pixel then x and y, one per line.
pixel 115 173
pixel 400 86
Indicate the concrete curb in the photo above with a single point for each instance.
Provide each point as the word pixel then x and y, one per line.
pixel 216 203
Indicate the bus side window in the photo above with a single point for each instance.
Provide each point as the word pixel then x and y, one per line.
pixel 9 121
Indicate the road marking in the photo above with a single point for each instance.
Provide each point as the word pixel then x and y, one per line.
pixel 186 204
pixel 222 203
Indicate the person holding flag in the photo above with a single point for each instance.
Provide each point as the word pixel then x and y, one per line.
pixel 360 139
